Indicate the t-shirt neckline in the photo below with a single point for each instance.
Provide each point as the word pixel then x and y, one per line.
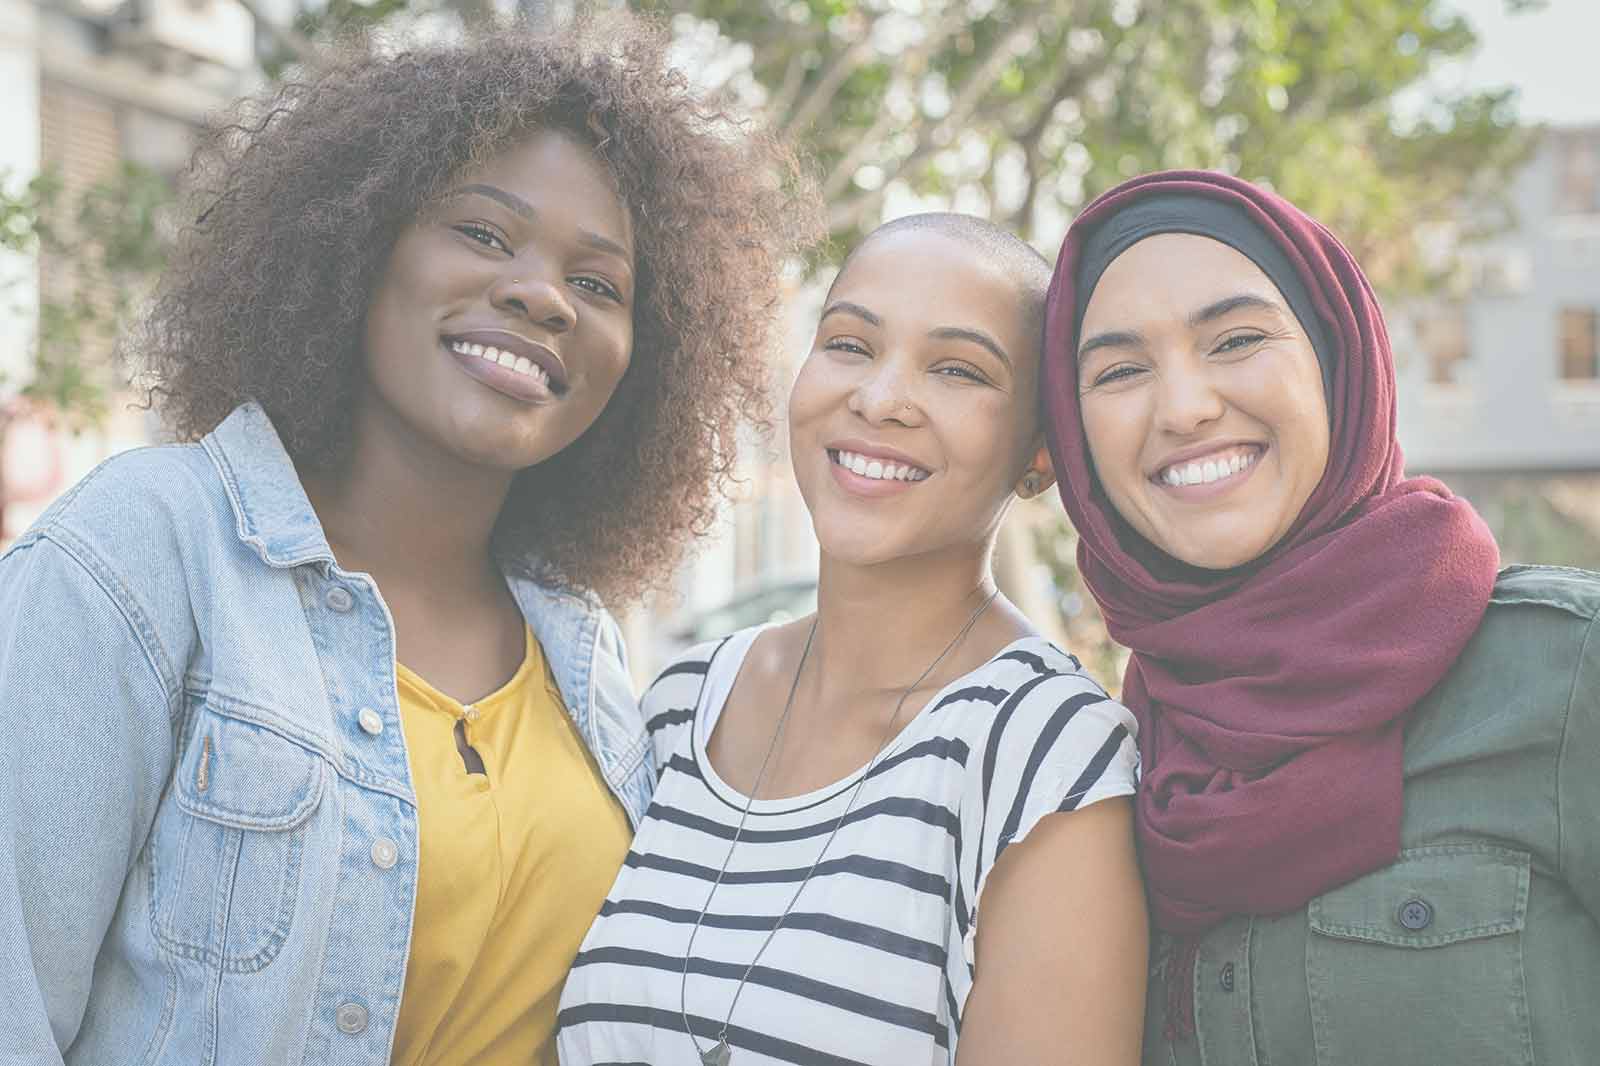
pixel 721 674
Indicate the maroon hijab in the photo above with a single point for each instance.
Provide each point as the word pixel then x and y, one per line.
pixel 1271 699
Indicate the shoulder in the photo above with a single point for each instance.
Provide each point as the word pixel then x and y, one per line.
pixel 154 495
pixel 1541 614
pixel 138 537
pixel 143 522
pixel 1563 588
pixel 1034 720
pixel 670 698
pixel 687 667
pixel 1536 653
pixel 1031 683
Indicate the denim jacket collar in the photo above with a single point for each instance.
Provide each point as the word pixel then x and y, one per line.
pixel 271 509
pixel 274 517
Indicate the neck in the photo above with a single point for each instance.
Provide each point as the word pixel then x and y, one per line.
pixel 406 513
pixel 881 625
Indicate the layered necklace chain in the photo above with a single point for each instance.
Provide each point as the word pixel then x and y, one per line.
pixel 721 1054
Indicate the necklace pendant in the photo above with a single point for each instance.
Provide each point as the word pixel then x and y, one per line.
pixel 717 1056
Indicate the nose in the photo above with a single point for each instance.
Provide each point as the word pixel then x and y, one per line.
pixel 529 295
pixel 1186 398
pixel 884 395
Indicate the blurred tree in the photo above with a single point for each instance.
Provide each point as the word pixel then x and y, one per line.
pixel 105 245
pixel 1022 110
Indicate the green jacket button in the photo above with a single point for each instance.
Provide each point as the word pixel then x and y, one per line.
pixel 1416 914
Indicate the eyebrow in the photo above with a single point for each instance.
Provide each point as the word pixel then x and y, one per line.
pixel 1209 313
pixel 847 308
pixel 960 333
pixel 977 337
pixel 1114 339
pixel 520 207
pixel 1213 311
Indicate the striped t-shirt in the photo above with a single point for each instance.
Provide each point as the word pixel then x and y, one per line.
pixel 875 961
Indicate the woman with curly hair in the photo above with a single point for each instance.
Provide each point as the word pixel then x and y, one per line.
pixel 318 745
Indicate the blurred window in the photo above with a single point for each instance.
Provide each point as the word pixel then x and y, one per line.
pixel 1580 344
pixel 1578 188
pixel 1443 337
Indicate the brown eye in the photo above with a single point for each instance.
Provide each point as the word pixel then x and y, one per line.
pixel 845 344
pixel 1240 341
pixel 482 235
pixel 598 286
pixel 1117 373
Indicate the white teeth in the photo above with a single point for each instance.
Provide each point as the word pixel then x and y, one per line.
pixel 877 469
pixel 1197 473
pixel 518 364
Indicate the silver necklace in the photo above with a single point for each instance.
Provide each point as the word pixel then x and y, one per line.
pixel 721 1054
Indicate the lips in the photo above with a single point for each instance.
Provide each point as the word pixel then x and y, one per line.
pixel 1190 465
pixel 513 352
pixel 876 469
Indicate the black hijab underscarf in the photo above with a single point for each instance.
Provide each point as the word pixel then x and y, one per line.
pixel 1221 221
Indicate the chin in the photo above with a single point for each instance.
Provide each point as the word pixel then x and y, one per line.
pixel 856 545
pixel 1220 551
pixel 498 452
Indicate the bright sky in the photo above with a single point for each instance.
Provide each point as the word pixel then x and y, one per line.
pixel 1551 55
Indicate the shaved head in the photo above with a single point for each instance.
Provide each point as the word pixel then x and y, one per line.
pixel 1017 260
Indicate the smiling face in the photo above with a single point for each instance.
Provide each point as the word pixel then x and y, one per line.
pixel 504 318
pixel 1202 400
pixel 914 415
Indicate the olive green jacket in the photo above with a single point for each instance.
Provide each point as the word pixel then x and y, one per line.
pixel 1480 945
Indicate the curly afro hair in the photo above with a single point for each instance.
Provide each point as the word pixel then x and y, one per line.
pixel 303 194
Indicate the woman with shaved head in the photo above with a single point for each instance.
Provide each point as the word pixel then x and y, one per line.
pixel 896 831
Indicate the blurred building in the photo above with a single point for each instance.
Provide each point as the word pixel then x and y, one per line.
pixel 90 85
pixel 1500 381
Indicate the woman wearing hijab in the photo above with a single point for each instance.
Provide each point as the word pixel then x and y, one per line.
pixel 1371 758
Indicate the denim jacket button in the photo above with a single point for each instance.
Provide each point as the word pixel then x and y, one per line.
pixel 1225 978
pixel 351 1018
pixel 371 721
pixel 338 599
pixel 384 853
pixel 1416 914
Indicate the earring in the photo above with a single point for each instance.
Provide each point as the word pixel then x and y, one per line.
pixel 1031 484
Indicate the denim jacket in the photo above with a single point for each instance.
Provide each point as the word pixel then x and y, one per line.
pixel 208 835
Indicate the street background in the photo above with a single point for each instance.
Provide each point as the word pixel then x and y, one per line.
pixel 1453 144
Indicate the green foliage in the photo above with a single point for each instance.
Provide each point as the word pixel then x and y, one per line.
pixel 1024 110
pixel 107 244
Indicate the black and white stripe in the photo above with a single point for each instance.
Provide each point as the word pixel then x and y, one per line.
pixel 874 964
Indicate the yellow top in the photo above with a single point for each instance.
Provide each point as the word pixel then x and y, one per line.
pixel 515 864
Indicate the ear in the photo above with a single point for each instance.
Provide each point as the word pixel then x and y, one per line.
pixel 1039 475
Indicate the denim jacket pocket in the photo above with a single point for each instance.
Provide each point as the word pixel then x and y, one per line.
pixel 229 839
pixel 1421 962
